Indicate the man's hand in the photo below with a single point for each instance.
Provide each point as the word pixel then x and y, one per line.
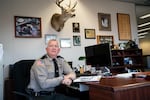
pixel 67 80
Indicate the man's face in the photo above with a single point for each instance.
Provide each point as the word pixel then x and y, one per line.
pixel 53 49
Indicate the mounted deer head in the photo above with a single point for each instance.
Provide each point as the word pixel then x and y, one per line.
pixel 58 20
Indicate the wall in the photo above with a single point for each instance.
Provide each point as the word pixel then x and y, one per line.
pixel 1 72
pixel 146 60
pixel 86 14
pixel 144 44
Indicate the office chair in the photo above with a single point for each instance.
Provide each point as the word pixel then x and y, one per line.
pixel 21 76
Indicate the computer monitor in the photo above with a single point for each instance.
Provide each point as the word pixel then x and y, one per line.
pixel 98 55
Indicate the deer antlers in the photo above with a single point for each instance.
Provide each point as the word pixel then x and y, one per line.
pixel 58 20
pixel 58 2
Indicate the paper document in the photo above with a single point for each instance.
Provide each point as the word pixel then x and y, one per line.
pixel 125 75
pixel 88 78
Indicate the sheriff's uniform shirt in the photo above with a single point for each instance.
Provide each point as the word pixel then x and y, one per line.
pixel 42 77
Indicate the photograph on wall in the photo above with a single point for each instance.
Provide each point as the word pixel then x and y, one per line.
pixel 105 39
pixel 76 27
pixel 65 42
pixel 104 21
pixel 49 37
pixel 27 27
pixel 76 40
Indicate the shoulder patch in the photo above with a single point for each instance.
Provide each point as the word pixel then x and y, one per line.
pixel 39 63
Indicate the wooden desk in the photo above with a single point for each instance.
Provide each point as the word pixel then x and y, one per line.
pixel 116 88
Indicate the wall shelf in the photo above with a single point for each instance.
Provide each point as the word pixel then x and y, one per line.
pixel 122 59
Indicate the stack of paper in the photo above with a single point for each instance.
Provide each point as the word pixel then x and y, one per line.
pixel 88 78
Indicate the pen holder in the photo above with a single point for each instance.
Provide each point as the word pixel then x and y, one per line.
pixel 81 70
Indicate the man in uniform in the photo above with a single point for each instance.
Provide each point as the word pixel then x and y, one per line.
pixel 49 72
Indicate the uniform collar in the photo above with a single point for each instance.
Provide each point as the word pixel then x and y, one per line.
pixel 50 57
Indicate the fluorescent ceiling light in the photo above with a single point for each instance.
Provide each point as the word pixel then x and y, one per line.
pixel 145 16
pixel 142 33
pixel 140 37
pixel 144 29
pixel 141 25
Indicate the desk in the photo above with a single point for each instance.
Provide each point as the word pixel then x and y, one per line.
pixel 119 88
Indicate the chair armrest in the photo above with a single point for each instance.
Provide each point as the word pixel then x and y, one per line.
pixel 30 97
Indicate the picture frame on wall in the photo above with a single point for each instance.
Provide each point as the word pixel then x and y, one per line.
pixel 65 42
pixel 104 21
pixel 90 33
pixel 76 27
pixel 49 37
pixel 105 39
pixel 124 27
pixel 27 27
pixel 76 40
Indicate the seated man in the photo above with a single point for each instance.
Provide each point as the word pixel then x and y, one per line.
pixel 49 72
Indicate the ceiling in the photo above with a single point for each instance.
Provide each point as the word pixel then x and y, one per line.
pixel 137 2
pixel 142 8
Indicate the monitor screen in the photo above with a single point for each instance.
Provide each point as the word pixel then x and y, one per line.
pixel 98 55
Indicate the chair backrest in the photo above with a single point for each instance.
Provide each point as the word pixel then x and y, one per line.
pixel 21 74
pixel 70 63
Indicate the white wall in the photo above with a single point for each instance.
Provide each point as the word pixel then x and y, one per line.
pixel 1 72
pixel 86 14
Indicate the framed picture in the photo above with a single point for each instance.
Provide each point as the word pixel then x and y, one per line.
pixel 76 27
pixel 27 27
pixel 89 33
pixel 49 37
pixel 76 40
pixel 124 27
pixel 105 39
pixel 65 42
pixel 104 21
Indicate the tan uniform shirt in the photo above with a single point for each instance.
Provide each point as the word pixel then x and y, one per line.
pixel 42 74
